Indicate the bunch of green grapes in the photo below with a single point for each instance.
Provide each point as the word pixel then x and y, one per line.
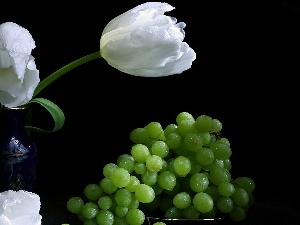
pixel 179 172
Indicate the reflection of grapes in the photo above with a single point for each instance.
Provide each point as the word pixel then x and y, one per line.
pixel 180 172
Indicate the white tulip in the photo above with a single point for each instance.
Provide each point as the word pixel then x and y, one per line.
pixel 18 74
pixel 20 207
pixel 145 42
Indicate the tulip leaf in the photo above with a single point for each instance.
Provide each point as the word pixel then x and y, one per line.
pixel 56 113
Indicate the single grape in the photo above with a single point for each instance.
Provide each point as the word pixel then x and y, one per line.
pixel 192 142
pixel 105 217
pixel 203 202
pixel 240 197
pixel 160 148
pixel 108 168
pixel 135 217
pixel 216 125
pixel 92 192
pixel 154 163
pixel 75 204
pixel 92 221
pixel 104 202
pixel 159 223
pixel 221 150
pixel 107 186
pixel 199 182
pixel 154 129
pixel 174 213
pixel 144 193
pixel 226 189
pixel 185 126
pixel 219 175
pixel 140 167
pixel 204 124
pixel 204 156
pixel 190 213
pixel 89 210
pixel 121 211
pixel 123 197
pixel 167 180
pixel 246 183
pixel 182 165
pixel 127 163
pixel 173 140
pixel 139 136
pixel 149 177
pixel 140 152
pixel 225 204
pixel 120 177
pixel 184 116
pixel 182 200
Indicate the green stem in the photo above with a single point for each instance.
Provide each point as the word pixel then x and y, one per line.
pixel 48 80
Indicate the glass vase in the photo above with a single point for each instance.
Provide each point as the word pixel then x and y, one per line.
pixel 18 153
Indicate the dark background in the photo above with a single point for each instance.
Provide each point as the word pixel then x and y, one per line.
pixel 244 75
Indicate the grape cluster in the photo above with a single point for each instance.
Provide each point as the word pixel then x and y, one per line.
pixel 179 172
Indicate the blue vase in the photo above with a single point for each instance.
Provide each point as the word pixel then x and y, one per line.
pixel 18 153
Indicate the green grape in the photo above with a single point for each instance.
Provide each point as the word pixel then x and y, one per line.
pixel 92 221
pixel 190 213
pixel 166 180
pixel 104 202
pixel 226 189
pixel 227 164
pixel 105 217
pixel 193 142
pixel 107 186
pixel 92 192
pixel 174 191
pixel 221 150
pixel 199 182
pixel 75 204
pixel 174 213
pixel 135 217
pixel 203 202
pixel 140 168
pixel 151 206
pixel 224 140
pixel 144 193
pixel 205 156
pixel 219 175
pixel 237 213
pixel 154 163
pixel 171 128
pixel 173 140
pixel 246 183
pixel 154 129
pixel 123 197
pixel 185 127
pixel 126 162
pixel 216 125
pixel 225 204
pixel 160 148
pixel 204 124
pixel 139 136
pixel 121 211
pixel 89 210
pixel 206 138
pixel 133 183
pixel 240 197
pixel 170 166
pixel 150 142
pixel 184 116
pixel 140 152
pixel 108 168
pixel 120 177
pixel 182 165
pixel 149 177
pixel 182 200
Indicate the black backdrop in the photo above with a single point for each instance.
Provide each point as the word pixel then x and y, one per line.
pixel 244 75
